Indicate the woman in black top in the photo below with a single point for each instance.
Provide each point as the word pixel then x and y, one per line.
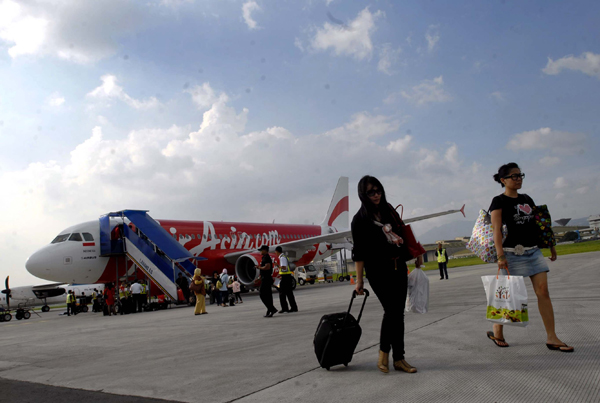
pixel 378 249
pixel 519 251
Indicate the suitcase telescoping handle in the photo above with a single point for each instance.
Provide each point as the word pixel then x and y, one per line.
pixel 354 294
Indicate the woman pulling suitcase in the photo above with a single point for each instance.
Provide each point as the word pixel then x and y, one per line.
pixel 379 250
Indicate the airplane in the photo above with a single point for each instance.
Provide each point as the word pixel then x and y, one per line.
pixel 74 255
pixel 42 295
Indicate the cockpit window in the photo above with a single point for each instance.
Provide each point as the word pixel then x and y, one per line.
pixel 87 236
pixel 61 238
pixel 75 237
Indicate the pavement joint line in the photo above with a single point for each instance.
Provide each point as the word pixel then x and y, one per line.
pixel 355 353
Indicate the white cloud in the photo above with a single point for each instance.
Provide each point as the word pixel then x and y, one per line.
pixel 298 43
pixel 110 90
pixel 545 138
pixel 550 161
pixel 582 190
pixel 401 145
pixel 352 40
pixel 432 36
pixel 427 92
pixel 65 30
pixel 560 183
pixel 203 95
pixel 498 96
pixel 247 9
pixel 588 63
pixel 365 126
pixel 387 58
pixel 56 100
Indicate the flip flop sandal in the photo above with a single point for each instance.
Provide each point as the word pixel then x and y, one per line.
pixel 559 347
pixel 493 338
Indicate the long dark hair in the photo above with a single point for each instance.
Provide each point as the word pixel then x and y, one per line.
pixel 368 208
pixel 504 170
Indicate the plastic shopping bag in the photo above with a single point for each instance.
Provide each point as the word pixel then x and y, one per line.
pixel 417 300
pixel 506 300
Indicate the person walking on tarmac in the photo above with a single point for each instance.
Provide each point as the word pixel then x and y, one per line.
pixel 183 284
pixel 109 298
pixel 379 250
pixel 136 293
pixel 224 280
pixel 237 290
pixel 123 298
pixel 442 258
pixel 144 294
pixel 266 275
pixel 286 291
pixel 199 290
pixel 95 306
pixel 215 293
pixel 71 304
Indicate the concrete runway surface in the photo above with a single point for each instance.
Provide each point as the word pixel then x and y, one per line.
pixel 234 354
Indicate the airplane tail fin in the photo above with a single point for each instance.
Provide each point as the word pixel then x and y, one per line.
pixel 338 215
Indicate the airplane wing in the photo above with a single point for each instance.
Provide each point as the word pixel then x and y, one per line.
pixel 338 240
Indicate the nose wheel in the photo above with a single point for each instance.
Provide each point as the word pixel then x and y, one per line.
pixel 45 308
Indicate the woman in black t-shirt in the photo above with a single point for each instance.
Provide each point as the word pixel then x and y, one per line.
pixel 519 252
pixel 379 250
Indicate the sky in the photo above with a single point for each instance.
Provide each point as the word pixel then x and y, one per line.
pixel 251 110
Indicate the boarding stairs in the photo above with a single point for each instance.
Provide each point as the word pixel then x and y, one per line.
pixel 145 249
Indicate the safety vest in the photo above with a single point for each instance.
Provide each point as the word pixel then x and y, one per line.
pixel 70 298
pixel 94 296
pixel 122 293
pixel 442 255
pixel 144 290
pixel 285 269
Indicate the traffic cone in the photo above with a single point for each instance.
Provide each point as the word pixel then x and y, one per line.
pixel 352 280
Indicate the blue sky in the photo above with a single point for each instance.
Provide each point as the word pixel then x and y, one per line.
pixel 205 109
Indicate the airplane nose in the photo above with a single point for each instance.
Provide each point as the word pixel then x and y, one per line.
pixel 35 264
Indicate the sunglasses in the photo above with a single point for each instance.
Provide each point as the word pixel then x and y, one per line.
pixel 374 192
pixel 515 176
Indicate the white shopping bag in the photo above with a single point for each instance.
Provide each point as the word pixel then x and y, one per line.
pixel 506 299
pixel 418 292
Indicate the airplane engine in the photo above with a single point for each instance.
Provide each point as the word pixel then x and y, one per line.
pixel 245 269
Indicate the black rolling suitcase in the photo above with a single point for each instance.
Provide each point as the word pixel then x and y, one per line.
pixel 337 336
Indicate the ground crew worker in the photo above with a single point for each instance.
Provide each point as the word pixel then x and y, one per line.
pixel 442 258
pixel 95 301
pixel 71 304
pixel 122 298
pixel 266 282
pixel 286 285
pixel 144 293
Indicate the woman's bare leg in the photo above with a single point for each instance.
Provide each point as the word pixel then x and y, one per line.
pixel 540 286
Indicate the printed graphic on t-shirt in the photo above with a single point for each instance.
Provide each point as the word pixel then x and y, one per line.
pixel 523 213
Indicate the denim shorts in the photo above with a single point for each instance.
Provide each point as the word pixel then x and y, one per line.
pixel 530 263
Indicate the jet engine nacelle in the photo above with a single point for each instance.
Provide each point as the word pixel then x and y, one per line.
pixel 246 271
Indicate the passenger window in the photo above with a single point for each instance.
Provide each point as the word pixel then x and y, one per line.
pixel 75 237
pixel 87 236
pixel 61 238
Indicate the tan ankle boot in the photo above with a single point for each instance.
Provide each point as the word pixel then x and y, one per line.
pixel 383 362
pixel 402 365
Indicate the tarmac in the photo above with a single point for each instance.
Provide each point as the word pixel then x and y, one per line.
pixel 233 354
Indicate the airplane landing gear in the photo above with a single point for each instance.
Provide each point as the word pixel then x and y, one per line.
pixel 45 308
